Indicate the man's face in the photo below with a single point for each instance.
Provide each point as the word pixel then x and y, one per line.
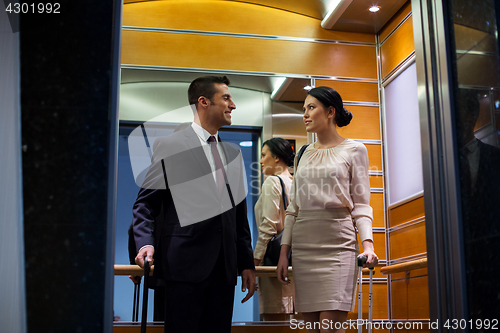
pixel 221 106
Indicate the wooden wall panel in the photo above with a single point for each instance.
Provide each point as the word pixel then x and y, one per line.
pixel 467 38
pixel 397 47
pixel 395 20
pixel 353 91
pixel 374 157
pixel 376 273
pixel 376 181
pixel 365 123
pixel 231 16
pixel 399 299
pixel 377 203
pixel 477 70
pixel 247 54
pixel 378 244
pixel 484 118
pixel 407 212
pixel 418 298
pixel 410 298
pixel 408 241
pixel 413 273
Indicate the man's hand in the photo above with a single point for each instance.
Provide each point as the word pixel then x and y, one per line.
pixel 248 281
pixel 146 251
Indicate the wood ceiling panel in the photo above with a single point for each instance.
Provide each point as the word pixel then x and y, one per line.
pixel 358 18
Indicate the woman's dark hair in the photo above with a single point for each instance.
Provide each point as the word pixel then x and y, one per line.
pixel 282 149
pixel 330 97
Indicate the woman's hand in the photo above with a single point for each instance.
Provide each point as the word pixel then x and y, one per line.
pixel 282 268
pixel 372 259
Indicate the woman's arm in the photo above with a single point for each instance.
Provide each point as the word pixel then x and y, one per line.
pixel 282 268
pixel 269 222
pixel 362 213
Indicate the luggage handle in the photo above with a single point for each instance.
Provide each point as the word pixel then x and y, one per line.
pixel 145 296
pixel 135 308
pixel 361 261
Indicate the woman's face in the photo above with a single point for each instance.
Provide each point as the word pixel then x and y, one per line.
pixel 268 161
pixel 316 117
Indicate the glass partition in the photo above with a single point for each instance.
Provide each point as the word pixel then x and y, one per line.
pixel 476 79
pixel 158 100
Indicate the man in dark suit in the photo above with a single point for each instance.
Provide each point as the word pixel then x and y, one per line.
pixel 190 214
pixel 480 195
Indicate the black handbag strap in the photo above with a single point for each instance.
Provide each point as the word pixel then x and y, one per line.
pixel 283 192
pixel 301 152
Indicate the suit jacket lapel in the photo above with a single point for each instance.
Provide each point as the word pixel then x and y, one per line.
pixel 193 142
pixel 231 154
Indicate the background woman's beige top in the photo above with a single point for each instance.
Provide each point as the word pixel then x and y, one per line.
pixel 270 212
pixel 332 178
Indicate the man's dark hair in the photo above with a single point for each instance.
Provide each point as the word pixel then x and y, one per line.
pixel 205 86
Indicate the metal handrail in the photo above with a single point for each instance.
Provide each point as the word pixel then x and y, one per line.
pixel 135 270
pixel 261 271
pixel 404 267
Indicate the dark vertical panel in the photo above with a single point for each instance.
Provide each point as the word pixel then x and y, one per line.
pixel 478 157
pixel 68 107
pixel 444 251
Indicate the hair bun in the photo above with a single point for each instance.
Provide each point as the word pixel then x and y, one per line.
pixel 344 118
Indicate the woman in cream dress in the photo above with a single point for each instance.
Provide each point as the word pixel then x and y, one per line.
pixel 330 199
pixel 275 300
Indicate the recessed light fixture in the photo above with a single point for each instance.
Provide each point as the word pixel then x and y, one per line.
pixel 246 143
pixel 374 9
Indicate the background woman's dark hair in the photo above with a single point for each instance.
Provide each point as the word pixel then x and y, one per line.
pixel 282 149
pixel 330 97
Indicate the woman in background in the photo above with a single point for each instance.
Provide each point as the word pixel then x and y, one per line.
pixel 275 300
pixel 330 197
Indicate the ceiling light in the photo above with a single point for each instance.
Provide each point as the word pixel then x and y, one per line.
pixel 280 87
pixel 374 9
pixel 335 10
pixel 246 143
pixel 308 88
pixel 288 115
